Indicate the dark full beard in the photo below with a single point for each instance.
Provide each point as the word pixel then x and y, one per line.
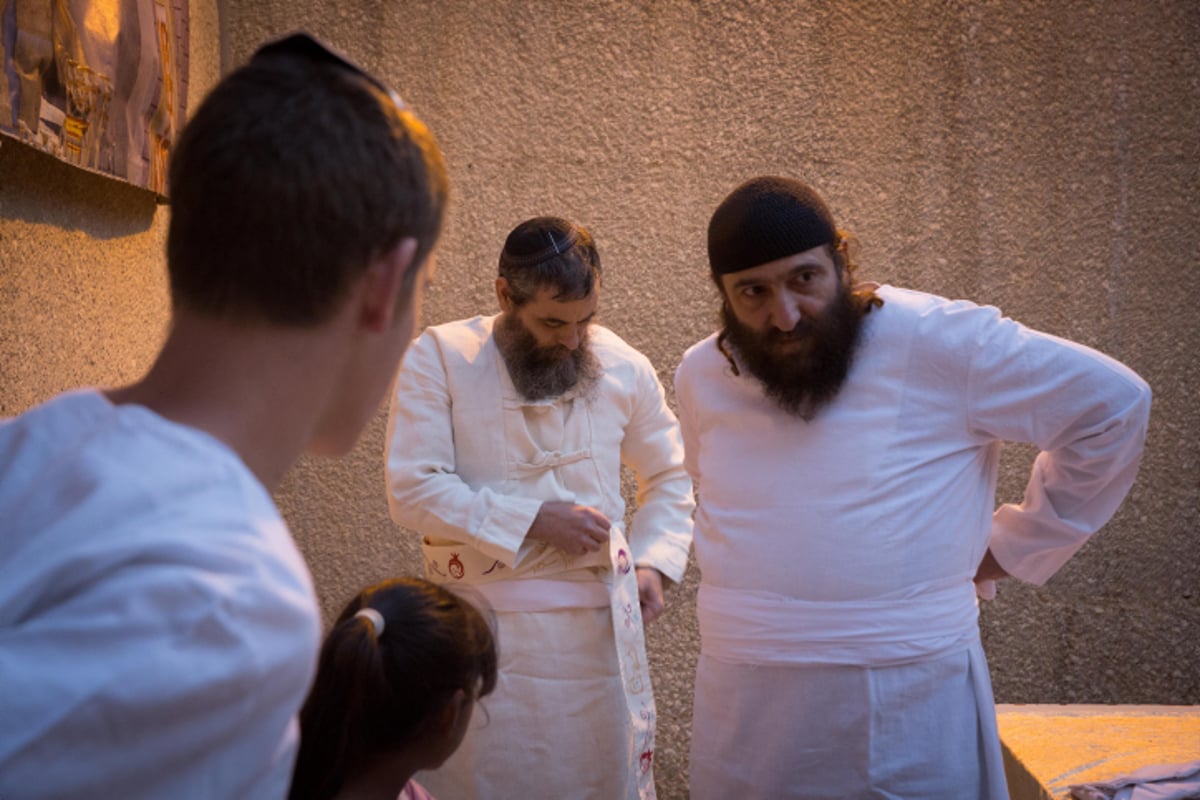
pixel 539 372
pixel 805 379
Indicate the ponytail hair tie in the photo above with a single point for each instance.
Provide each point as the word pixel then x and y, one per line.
pixel 375 618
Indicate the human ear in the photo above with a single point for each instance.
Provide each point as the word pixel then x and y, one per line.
pixel 460 704
pixel 504 295
pixel 382 283
pixel 450 726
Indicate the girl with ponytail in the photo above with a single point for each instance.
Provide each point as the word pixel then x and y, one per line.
pixel 397 682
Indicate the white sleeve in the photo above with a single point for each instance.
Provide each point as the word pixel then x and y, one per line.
pixel 1087 414
pixel 425 493
pixel 661 528
pixel 159 679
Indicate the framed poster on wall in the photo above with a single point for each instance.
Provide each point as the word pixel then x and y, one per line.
pixel 101 84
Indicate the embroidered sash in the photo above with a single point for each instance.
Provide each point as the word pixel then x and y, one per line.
pixel 635 670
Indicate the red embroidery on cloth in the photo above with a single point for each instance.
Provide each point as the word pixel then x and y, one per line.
pixel 455 567
pixel 647 759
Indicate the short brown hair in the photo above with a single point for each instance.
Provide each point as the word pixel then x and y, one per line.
pixel 293 174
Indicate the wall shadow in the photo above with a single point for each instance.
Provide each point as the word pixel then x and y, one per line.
pixel 38 188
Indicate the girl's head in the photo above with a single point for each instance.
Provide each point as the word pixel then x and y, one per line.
pixel 407 690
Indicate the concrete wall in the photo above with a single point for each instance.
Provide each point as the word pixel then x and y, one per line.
pixel 1040 157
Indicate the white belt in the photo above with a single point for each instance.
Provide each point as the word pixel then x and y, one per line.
pixel 545 594
pixel 764 628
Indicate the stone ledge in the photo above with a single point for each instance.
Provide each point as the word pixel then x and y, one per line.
pixel 1048 748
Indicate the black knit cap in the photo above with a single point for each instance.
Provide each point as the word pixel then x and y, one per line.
pixel 766 219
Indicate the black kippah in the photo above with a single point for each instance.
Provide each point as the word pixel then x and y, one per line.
pixel 766 219
pixel 537 240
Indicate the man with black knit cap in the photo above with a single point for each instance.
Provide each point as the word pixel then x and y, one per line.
pixel 507 438
pixel 844 439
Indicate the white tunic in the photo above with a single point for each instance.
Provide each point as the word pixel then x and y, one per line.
pixel 158 627
pixel 840 649
pixel 469 464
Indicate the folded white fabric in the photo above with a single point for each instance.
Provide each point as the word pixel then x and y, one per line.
pixel 1159 782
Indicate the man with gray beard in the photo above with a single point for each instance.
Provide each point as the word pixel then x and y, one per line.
pixel 844 438
pixel 506 440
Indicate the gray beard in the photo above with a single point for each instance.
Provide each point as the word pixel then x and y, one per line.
pixel 542 372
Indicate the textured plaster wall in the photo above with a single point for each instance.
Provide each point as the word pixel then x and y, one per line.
pixel 1040 157
pixel 83 291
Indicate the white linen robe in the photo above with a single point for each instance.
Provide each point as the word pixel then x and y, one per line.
pixel 469 464
pixel 840 652
pixel 158 626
